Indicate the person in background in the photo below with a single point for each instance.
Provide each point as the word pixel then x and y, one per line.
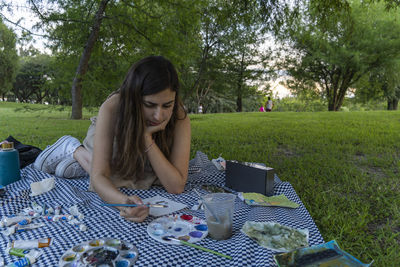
pixel 140 137
pixel 262 109
pixel 269 105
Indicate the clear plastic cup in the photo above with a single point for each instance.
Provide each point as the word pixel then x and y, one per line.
pixel 219 209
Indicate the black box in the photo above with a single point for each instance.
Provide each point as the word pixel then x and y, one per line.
pixel 249 177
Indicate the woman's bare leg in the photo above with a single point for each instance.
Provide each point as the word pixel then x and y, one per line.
pixel 84 157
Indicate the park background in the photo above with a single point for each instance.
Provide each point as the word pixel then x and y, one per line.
pixel 330 55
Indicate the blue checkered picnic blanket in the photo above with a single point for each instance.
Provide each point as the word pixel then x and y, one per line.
pixel 106 222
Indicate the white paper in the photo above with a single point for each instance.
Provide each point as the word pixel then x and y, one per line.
pixel 172 206
pixel 43 186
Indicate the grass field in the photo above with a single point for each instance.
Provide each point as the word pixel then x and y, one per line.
pixel 343 165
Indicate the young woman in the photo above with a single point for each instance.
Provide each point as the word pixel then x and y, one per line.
pixel 141 136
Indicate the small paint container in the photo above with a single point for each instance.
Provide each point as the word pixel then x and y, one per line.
pixel 80 227
pixel 57 211
pixel 50 210
pixel 37 208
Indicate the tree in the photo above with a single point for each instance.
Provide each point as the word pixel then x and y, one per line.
pixel 335 52
pixel 243 62
pixel 84 61
pixel 382 83
pixel 8 59
pixel 31 83
pixel 230 33
pixel 126 31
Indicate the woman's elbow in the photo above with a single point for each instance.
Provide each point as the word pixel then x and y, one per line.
pixel 176 190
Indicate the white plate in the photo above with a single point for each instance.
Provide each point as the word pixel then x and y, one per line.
pixel 181 226
pixel 121 253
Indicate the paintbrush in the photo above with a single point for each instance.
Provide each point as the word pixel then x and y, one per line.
pixel 167 238
pixel 207 206
pixel 135 205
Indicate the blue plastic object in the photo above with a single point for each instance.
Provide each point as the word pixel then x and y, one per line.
pixel 9 166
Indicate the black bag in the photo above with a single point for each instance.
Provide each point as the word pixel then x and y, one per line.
pixel 27 153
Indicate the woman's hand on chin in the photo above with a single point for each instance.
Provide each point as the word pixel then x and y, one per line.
pixel 150 128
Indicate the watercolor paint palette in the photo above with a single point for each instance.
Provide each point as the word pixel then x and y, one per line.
pixel 181 226
pixel 100 252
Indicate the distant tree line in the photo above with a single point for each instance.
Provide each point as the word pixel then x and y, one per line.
pixel 328 48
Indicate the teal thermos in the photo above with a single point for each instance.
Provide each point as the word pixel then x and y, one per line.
pixel 9 164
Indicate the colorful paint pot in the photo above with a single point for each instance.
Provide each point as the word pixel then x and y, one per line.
pixel 96 243
pixel 182 226
pixel 101 252
pixel 201 227
pixel 78 249
pixel 113 242
pixel 122 263
pixel 196 234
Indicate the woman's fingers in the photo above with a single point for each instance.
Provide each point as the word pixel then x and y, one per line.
pixel 135 214
pixel 134 200
pixel 160 127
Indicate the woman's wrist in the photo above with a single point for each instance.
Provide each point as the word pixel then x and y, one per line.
pixel 147 149
pixel 148 142
pixel 148 139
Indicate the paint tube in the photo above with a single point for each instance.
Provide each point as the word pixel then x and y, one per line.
pixel 74 211
pixel 36 207
pixel 26 212
pixel 29 259
pixel 29 244
pixel 66 217
pixel 57 211
pixel 25 221
pixel 50 210
pixel 9 231
pixel 81 227
pixel 44 209
pixel 23 228
pixel 56 218
pixel 18 252
pixel 74 221
pixel 7 221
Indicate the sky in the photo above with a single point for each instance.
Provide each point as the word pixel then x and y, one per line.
pixel 22 15
pixel 278 89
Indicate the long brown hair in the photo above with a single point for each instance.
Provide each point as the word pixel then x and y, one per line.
pixel 146 77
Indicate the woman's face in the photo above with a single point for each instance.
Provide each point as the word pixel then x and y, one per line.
pixel 157 108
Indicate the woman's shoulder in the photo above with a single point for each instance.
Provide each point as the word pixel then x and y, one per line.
pixel 112 101
pixel 110 105
pixel 181 114
pixel 183 120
